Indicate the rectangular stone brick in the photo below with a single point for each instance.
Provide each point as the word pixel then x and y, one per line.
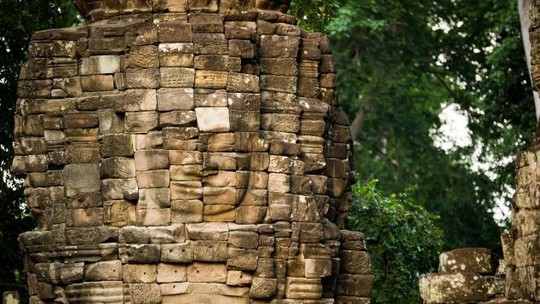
pixel 141 122
pixel 176 55
pixel 208 79
pixel 154 198
pixel 274 46
pixel 104 64
pixel 143 57
pixel 153 179
pixel 175 32
pixel 96 83
pixel 139 78
pixel 187 211
pixel 154 217
pixel 176 118
pixel 169 99
pixel 176 77
pixel 186 190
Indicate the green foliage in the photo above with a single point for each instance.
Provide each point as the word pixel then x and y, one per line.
pixel 18 20
pixel 402 239
pixel 399 63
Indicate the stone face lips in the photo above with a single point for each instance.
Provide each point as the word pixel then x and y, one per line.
pixel 186 151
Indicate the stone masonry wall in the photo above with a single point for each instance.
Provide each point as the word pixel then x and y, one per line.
pixel 181 151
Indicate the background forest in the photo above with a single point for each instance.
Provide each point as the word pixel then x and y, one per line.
pixel 401 64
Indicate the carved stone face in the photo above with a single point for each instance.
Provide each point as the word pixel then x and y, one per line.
pixel 183 152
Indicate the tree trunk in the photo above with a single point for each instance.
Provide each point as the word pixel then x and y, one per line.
pixel 523 7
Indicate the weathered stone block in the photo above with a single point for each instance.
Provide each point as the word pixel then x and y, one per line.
pixel 153 179
pixel 103 64
pixel 263 288
pixel 170 273
pixel 117 145
pixel 135 273
pixel 207 273
pixel 213 119
pixel 119 213
pixel 176 77
pixel 208 79
pixel 210 251
pixel 119 189
pixel 142 293
pixel 154 198
pixel 187 211
pixel 478 260
pixel 242 259
pixel 82 177
pixel 177 253
pixel 169 99
pixel 139 78
pixel 154 217
pixel 117 167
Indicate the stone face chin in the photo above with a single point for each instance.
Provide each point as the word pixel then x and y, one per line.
pixel 186 152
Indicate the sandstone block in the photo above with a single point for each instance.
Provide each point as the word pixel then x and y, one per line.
pixel 119 189
pixel 132 100
pixel 138 78
pixel 145 56
pixel 318 268
pixel 443 288
pixel 186 190
pixel 274 46
pixel 239 278
pixel 169 99
pixel 103 271
pixel 139 253
pixel 103 64
pixel 82 177
pixel 176 55
pixel 213 119
pixel 241 48
pixel 141 122
pixel 207 79
pixel 244 83
pixel 210 98
pixel 176 77
pixel 135 273
pixel 250 214
pixel 242 259
pixel 177 157
pixel 187 211
pixel 96 83
pixel 478 260
pixel 154 217
pixel 263 288
pixel 151 160
pixel 170 273
pixel 303 288
pixel 142 293
pixel 175 32
pixel 117 167
pixel 153 179
pixel 154 198
pixel 177 253
pixel 91 292
pixel 210 251
pixel 206 273
pixel 119 213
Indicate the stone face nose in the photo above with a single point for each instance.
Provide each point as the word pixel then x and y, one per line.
pixel 94 10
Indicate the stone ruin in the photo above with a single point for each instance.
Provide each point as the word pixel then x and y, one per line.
pixel 517 280
pixel 186 151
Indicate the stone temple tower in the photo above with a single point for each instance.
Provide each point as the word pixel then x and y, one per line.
pixel 186 151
